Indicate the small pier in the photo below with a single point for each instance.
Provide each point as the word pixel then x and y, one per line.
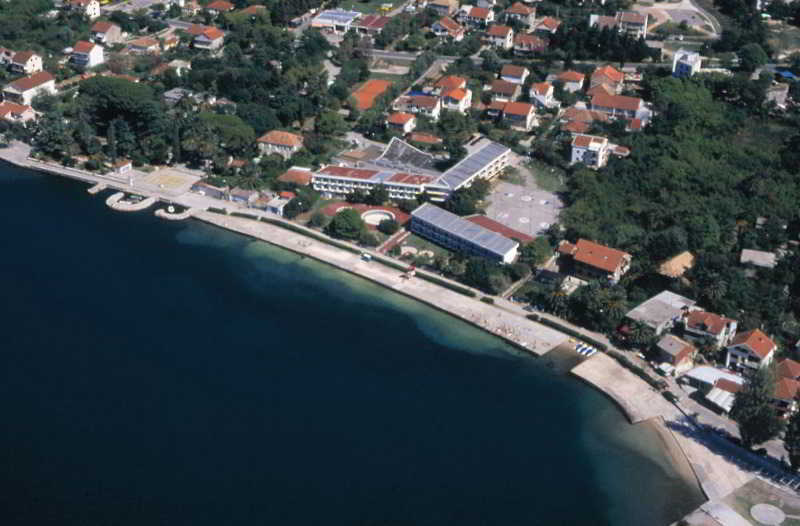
pixel 117 202
pixel 99 187
pixel 165 213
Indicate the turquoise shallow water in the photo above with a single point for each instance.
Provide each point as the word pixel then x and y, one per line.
pixel 162 373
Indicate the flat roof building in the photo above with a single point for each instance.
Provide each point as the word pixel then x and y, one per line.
pixel 661 311
pixel 456 233
pixel 338 20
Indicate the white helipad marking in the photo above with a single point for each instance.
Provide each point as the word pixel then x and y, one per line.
pixel 526 198
pixel 524 220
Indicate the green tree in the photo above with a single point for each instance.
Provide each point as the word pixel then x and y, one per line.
pixel 791 440
pixel 753 410
pixel 346 224
pixel 377 195
pixel 752 56
pixel 319 219
pixel 388 226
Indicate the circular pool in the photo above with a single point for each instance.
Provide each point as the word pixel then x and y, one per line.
pixel 374 217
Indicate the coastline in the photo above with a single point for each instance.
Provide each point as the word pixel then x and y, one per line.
pixel 492 319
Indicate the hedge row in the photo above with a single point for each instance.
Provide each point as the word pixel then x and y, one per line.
pixel 487 299
pixel 217 210
pixel 242 214
pixel 567 330
pixel 446 284
pixel 311 234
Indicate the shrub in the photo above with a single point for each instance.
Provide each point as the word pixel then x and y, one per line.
pixel 388 226
pixel 487 299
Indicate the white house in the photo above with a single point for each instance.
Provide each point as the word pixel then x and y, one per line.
pixel 211 38
pixel 402 121
pixel 542 94
pixel 515 74
pixel 447 27
pixel 479 17
pixel 89 8
pixel 13 112
pixel 104 32
pixel 87 54
pixel 573 80
pixel 752 349
pixel 458 99
pixel 520 115
pixel 590 150
pixel 662 311
pixel 26 62
pixel 521 13
pixel 686 63
pixel 22 91
pixel 500 36
pixel 701 325
pixel 426 105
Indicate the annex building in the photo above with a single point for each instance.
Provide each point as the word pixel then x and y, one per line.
pixel 456 233
pixel 407 172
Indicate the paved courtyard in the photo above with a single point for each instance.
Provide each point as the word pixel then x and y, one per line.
pixel 528 208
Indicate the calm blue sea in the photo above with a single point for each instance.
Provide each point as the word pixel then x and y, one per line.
pixel 154 373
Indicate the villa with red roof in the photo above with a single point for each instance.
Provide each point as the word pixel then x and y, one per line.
pixel 573 80
pixel 608 76
pixel 450 82
pixel 593 260
pixel 752 349
pixel 701 325
pixel 521 13
pixel 542 94
pixel 547 24
pixel 219 6
pixel 105 32
pixel 458 99
pixel 520 115
pixel 404 122
pixel 26 62
pixel 620 106
pixel 209 38
pixel 500 36
pixel 87 54
pixel 479 17
pixel 22 91
pixel 447 27
pixel 515 74
pixel 527 44
pixel 282 143
pixel 13 112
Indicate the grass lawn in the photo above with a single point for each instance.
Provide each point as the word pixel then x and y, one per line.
pixel 548 178
pixel 385 76
pixel 423 244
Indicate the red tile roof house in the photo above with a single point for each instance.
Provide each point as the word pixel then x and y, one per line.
pixel 520 115
pixel 547 24
pixel 211 38
pixel 282 143
pixel 504 91
pixel 593 260
pixel 6 56
pixel 525 44
pixel 104 32
pixel 700 325
pixel 577 120
pixel 620 106
pixel 371 24
pixel 22 91
pixel 521 13
pixel 479 17
pixel 542 94
pixel 13 112
pixel 447 27
pixel 145 45
pixel 608 76
pixel 457 99
pixel 219 6
pixel 500 36
pixel 788 368
pixel 573 80
pixel 785 396
pixel 426 105
pixel 26 62
pixel 590 150
pixel 515 74
pixel 676 352
pixel 404 122
pixel 296 175
pixel 87 54
pixel 752 349
pixel 448 83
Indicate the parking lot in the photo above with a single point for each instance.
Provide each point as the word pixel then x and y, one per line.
pixel 525 208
